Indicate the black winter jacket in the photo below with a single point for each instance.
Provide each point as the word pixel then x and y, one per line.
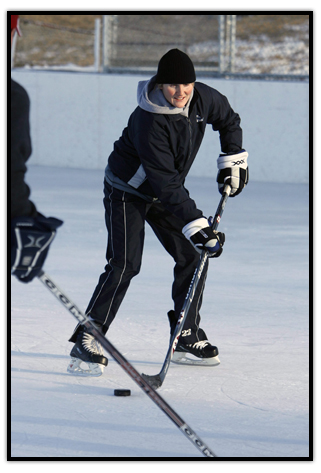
pixel 20 152
pixel 155 152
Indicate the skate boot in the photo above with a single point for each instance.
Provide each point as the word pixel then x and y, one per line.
pixel 87 350
pixel 200 352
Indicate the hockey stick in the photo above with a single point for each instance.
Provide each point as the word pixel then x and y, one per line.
pixel 121 360
pixel 157 380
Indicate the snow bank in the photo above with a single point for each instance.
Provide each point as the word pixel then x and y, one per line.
pixel 76 117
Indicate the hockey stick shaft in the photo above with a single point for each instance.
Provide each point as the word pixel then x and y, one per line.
pixel 121 360
pixel 157 380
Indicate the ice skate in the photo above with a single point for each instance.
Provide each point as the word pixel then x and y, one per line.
pixel 201 353
pixel 88 353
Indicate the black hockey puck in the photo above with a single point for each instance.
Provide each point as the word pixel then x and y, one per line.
pixel 122 392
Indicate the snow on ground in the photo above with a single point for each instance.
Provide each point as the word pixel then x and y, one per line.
pixel 258 54
pixel 254 405
pixel 261 55
pixel 288 56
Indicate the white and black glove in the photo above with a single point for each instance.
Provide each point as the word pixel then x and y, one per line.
pixel 30 241
pixel 233 170
pixel 202 237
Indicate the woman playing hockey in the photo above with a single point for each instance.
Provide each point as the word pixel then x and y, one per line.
pixel 144 182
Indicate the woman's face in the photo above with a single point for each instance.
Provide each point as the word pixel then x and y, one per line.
pixel 177 94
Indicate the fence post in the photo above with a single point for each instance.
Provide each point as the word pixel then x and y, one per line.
pixel 105 44
pixel 228 44
pixel 221 56
pixel 232 43
pixel 114 35
pixel 97 45
pixel 109 40
pixel 227 34
pixel 13 49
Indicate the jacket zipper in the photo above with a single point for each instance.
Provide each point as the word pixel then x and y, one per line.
pixel 190 138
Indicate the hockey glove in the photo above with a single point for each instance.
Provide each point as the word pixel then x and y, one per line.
pixel 202 237
pixel 30 241
pixel 233 170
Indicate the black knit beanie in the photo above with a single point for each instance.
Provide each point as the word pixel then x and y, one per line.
pixel 175 67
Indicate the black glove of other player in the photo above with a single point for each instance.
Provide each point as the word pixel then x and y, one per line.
pixel 202 237
pixel 233 170
pixel 30 241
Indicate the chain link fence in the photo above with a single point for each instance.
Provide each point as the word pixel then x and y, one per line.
pixel 217 44
pixel 50 42
pixel 140 41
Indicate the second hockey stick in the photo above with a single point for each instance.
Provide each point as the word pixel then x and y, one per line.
pixel 121 360
pixel 157 380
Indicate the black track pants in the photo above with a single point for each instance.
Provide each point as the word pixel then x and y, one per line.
pixel 125 216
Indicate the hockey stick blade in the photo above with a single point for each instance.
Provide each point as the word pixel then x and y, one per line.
pixel 157 380
pixel 125 365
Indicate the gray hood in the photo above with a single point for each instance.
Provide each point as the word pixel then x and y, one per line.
pixel 151 99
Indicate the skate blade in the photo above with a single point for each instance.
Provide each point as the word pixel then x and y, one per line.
pixel 94 369
pixel 191 360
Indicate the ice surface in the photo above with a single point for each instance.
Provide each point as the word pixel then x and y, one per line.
pixel 256 310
